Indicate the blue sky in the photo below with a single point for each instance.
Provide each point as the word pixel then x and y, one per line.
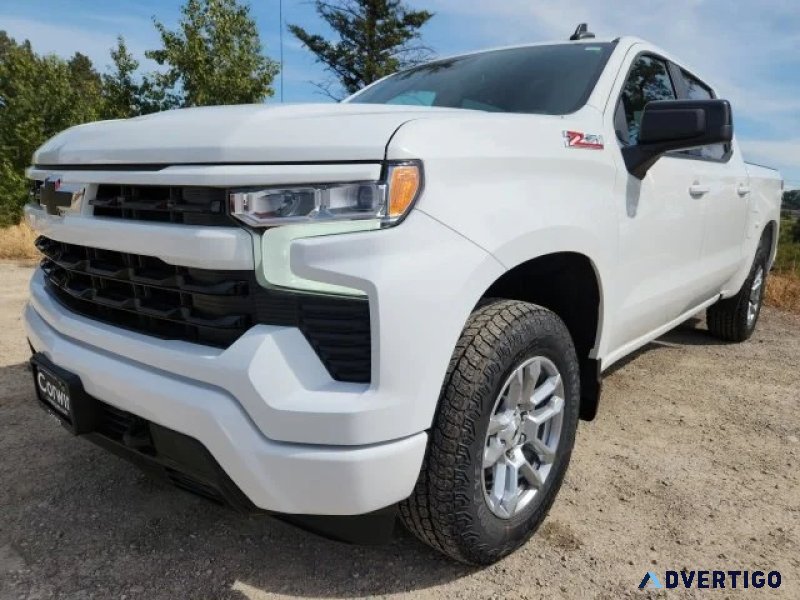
pixel 748 49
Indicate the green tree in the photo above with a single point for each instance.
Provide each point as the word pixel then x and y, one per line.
pixel 791 200
pixel 214 57
pixel 796 231
pixel 5 43
pixel 84 78
pixel 125 95
pixel 376 38
pixel 39 97
pixel 121 92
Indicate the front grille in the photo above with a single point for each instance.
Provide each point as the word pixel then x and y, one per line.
pixel 204 306
pixel 187 205
pixel 148 295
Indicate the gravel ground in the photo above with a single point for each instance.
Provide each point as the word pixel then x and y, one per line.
pixel 691 463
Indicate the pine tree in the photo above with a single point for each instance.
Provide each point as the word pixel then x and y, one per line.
pixel 125 95
pixel 121 92
pixel 376 38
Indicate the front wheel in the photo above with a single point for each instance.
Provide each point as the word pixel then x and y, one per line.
pixel 502 437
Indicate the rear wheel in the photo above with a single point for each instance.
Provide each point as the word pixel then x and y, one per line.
pixel 502 437
pixel 734 319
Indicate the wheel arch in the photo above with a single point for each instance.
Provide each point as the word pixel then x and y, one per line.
pixel 575 293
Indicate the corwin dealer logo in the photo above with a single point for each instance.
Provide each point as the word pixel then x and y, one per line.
pixel 702 580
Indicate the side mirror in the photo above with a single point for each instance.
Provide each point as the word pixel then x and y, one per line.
pixel 669 125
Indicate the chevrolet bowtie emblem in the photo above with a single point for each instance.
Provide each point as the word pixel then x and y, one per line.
pixel 56 195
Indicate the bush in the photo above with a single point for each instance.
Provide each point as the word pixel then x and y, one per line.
pixel 788 257
pixel 16 242
pixel 13 193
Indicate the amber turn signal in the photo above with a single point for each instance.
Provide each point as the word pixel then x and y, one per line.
pixel 404 185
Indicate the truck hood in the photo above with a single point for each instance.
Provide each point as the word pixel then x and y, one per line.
pixel 236 134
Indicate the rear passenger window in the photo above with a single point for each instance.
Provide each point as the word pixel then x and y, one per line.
pixel 648 81
pixel 697 90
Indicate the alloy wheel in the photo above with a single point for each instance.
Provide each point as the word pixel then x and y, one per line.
pixel 754 302
pixel 522 437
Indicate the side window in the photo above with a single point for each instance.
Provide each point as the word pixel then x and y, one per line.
pixel 697 90
pixel 648 80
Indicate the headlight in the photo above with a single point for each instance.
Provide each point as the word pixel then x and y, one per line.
pixel 387 201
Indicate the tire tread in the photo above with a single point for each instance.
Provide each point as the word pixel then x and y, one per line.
pixel 435 512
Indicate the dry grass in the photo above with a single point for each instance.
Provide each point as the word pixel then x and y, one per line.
pixel 17 242
pixel 783 291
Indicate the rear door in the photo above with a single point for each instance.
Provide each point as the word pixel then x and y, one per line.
pixel 720 170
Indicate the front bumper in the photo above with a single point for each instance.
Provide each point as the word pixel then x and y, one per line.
pixel 275 476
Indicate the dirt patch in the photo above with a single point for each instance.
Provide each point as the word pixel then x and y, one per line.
pixel 691 463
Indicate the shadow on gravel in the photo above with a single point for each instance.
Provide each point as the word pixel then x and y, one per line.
pixel 316 568
pixel 688 333
pixel 86 520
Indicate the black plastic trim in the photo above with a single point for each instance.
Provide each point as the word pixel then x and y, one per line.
pixel 678 78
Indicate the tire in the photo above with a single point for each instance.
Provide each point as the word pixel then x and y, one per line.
pixel 506 347
pixel 734 319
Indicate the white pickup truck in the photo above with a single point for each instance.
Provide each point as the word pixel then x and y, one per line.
pixel 400 304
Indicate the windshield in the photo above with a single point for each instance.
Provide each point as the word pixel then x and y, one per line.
pixel 552 80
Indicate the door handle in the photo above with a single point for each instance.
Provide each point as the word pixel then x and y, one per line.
pixel 743 189
pixel 697 189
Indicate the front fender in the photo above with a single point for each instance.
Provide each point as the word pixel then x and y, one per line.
pixel 509 184
pixel 422 280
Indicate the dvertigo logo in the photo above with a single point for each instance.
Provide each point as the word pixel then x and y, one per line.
pixel 714 580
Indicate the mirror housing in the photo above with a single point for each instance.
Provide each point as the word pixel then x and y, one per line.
pixel 669 125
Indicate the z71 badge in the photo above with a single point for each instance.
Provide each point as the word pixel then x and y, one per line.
pixel 578 139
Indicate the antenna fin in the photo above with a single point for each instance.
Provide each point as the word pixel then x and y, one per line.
pixel 581 33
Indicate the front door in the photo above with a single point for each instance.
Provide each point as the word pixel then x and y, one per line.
pixel 660 217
